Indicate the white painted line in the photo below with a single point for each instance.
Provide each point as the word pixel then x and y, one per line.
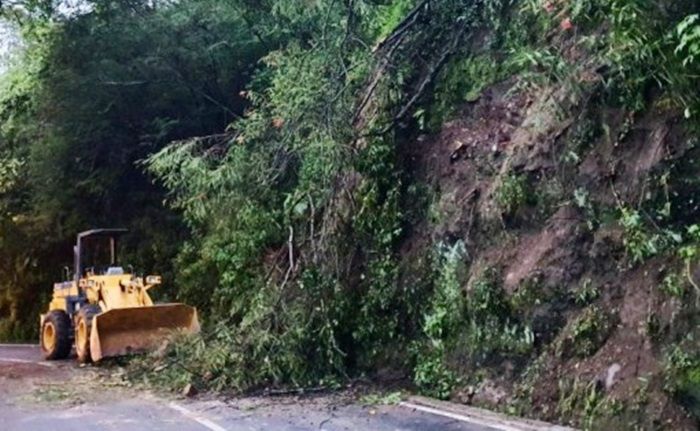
pixel 462 418
pixel 197 417
pixel 24 361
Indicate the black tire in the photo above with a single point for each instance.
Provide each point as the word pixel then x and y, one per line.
pixel 56 335
pixel 82 344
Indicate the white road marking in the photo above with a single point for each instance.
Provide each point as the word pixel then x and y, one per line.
pixel 462 418
pixel 197 417
pixel 24 361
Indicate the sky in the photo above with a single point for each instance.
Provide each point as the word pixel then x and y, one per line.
pixel 9 41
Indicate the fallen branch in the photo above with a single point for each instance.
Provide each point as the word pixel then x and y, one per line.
pixel 689 276
pixel 295 391
pixel 404 25
pixel 290 245
pixel 434 70
pixel 393 41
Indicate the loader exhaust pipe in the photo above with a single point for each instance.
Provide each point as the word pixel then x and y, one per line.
pixel 125 331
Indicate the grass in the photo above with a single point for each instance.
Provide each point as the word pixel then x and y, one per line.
pixel 382 398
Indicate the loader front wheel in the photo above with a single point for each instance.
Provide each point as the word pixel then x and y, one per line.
pixel 83 325
pixel 55 335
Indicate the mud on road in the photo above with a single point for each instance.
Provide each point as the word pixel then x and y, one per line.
pixel 61 396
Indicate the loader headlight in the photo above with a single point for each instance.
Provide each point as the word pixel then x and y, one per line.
pixel 153 279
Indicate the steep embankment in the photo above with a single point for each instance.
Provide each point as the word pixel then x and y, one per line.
pixel 564 223
pixel 538 191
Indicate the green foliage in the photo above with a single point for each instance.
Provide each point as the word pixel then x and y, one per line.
pixel 641 240
pixel 541 65
pixel 389 16
pixel 463 80
pixel 631 46
pixel 474 331
pixel 378 226
pixel 682 375
pixel 691 250
pixel 391 398
pixel 9 173
pixel 584 402
pixel 296 220
pixel 587 333
pixel 267 346
pixel 583 201
pixel 512 193
pixel 487 298
pixel 441 324
pixel 433 377
pixel 530 293
pixel 688 32
pixel 586 293
pixel 646 44
pixel 264 197
pixel 448 300
pixel 673 286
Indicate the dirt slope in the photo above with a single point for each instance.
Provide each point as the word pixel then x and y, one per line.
pixel 534 184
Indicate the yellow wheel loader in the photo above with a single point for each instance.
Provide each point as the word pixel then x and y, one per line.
pixel 105 310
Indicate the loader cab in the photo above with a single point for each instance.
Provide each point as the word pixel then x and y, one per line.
pixel 95 253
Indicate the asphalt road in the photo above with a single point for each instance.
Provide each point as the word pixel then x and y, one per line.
pixel 59 396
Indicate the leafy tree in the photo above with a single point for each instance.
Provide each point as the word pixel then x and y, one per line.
pixel 95 93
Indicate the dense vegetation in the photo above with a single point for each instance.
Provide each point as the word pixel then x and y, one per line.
pixel 277 134
pixel 92 96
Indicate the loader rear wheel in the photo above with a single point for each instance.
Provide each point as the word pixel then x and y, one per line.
pixel 55 335
pixel 83 326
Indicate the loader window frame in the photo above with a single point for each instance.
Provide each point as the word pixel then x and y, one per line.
pixel 96 251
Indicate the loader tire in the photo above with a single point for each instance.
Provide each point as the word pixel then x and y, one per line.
pixel 83 326
pixel 56 335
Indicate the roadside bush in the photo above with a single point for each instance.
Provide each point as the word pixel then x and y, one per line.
pixel 466 329
pixel 682 373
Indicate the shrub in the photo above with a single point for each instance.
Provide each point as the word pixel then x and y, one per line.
pixel 587 333
pixel 512 193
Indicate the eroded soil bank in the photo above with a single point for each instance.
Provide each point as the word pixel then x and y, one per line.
pixel 560 204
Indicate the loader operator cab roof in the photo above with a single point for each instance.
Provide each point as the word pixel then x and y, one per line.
pixel 95 253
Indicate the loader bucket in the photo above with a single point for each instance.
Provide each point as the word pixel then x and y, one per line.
pixel 131 330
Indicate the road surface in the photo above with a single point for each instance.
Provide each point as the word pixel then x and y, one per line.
pixel 59 396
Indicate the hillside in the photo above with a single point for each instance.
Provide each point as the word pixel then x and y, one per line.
pixel 491 202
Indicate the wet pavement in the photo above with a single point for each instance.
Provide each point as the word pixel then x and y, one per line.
pixel 37 395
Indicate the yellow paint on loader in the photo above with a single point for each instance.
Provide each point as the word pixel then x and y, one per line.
pixel 105 311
